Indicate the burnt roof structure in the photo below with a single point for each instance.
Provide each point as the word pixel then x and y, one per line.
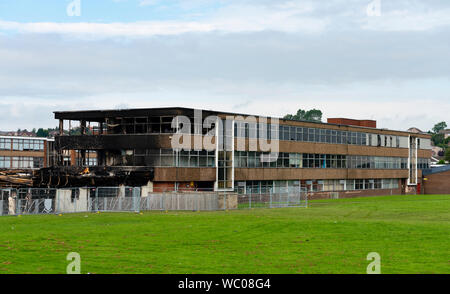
pixel 134 147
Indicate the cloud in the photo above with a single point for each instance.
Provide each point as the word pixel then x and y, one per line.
pixel 148 2
pixel 259 57
pixel 305 16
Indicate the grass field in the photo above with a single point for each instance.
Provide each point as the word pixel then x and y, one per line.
pixel 411 233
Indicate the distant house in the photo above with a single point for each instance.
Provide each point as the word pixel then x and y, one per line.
pixel 18 134
pixel 446 133
pixel 437 152
pixel 415 130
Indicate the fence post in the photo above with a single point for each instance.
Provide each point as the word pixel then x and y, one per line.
pixel 250 200
pixel 198 202
pixel 270 195
pixel 96 200
pixel 306 198
pixel 164 199
pixel 1 207
pixel 18 205
pixel 36 206
pixel 137 199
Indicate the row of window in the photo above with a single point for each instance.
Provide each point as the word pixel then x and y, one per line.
pixel 317 135
pixel 21 162
pixel 167 158
pixel 89 161
pixel 251 159
pixel 262 187
pixel 21 144
pixel 260 130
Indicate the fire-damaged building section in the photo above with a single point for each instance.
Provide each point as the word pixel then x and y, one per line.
pixel 78 176
pixel 127 145
pixel 15 178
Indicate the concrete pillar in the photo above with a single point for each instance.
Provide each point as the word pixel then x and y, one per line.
pixel 147 189
pixel 122 190
pixel 61 127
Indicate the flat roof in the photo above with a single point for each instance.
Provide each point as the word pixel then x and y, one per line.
pixel 95 115
pixel 27 138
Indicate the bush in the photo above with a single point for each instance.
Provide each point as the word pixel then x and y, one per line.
pixel 447 155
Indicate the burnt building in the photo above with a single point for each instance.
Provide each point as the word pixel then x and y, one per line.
pixel 20 156
pixel 224 151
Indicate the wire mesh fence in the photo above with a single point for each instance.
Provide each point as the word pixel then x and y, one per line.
pixel 134 199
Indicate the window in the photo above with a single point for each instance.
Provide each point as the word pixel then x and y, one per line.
pixel 377 184
pixel 293 134
pixel 358 138
pixel 311 135
pixel 299 134
pixel 350 185
pixel 323 135
pixel 359 184
pixel 353 138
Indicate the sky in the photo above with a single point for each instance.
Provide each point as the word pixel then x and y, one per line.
pixel 363 59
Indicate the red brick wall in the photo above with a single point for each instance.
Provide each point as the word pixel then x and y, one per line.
pixel 438 183
pixel 353 122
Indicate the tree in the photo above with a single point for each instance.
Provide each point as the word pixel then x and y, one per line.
pixel 310 115
pixel 436 137
pixel 447 155
pixel 439 127
pixel 42 133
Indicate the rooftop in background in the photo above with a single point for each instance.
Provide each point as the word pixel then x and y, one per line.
pixel 415 130
pixel 353 122
pixel 26 138
pixel 446 133
pixel 435 170
pixel 17 133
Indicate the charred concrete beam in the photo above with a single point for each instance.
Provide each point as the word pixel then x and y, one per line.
pixel 111 142
pixel 57 177
pixel 100 115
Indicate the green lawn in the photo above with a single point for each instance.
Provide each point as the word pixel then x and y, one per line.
pixel 411 233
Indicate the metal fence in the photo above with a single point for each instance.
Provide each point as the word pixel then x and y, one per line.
pixel 296 198
pixel 135 199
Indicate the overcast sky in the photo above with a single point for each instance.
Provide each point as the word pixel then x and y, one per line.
pixel 264 57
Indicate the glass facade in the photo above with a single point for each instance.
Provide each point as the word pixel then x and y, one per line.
pixel 21 144
pixel 251 159
pixel 167 158
pixel 20 162
pixel 319 135
pixel 262 187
